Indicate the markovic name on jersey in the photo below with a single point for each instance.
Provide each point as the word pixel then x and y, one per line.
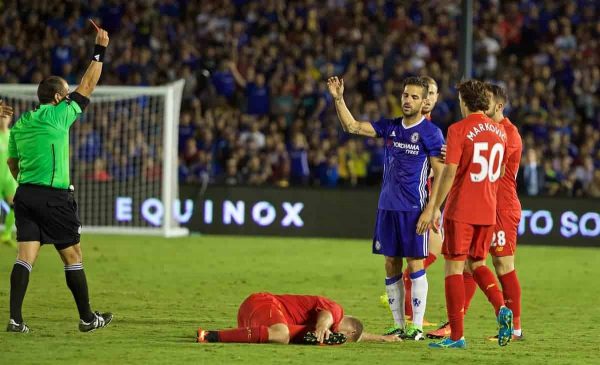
pixel 482 127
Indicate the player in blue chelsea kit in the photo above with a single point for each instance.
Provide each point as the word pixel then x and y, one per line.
pixel 412 147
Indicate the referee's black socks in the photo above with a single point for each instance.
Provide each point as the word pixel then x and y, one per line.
pixel 77 282
pixel 19 279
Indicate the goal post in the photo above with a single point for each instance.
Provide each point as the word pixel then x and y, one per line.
pixel 123 157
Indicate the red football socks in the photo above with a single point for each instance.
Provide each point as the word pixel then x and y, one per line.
pixel 245 335
pixel 430 259
pixel 487 283
pixel 455 301
pixel 470 288
pixel 511 289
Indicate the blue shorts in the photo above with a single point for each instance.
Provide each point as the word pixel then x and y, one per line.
pixel 396 235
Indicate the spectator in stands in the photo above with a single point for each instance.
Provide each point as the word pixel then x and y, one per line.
pixel 232 176
pixel 255 89
pixel 99 172
pixel 594 187
pixel 532 174
pixel 299 171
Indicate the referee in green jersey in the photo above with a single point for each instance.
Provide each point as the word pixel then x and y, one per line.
pixel 45 208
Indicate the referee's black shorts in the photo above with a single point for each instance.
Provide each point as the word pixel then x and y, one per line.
pixel 47 215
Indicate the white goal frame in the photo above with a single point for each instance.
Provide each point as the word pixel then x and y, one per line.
pixel 172 93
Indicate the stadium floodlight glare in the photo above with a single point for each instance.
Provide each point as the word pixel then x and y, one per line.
pixel 125 144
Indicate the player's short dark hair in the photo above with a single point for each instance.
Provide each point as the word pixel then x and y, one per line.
pixel 49 87
pixel 473 94
pixel 499 93
pixel 431 81
pixel 417 81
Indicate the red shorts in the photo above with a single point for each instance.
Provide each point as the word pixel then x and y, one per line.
pixel 504 240
pixel 260 309
pixel 463 240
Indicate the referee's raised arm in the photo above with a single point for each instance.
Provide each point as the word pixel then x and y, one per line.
pixel 92 74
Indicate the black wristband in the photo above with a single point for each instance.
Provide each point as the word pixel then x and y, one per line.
pixel 99 53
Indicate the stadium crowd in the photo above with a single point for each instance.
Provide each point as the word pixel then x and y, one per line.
pixel 256 110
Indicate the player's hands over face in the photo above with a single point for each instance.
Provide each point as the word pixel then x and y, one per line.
pixel 5 110
pixel 443 154
pixel 336 87
pixel 322 334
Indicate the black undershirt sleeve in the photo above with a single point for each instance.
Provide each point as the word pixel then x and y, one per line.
pixel 81 100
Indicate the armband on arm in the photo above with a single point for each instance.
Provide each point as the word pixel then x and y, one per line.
pixel 81 100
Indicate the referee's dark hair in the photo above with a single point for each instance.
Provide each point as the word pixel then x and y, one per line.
pixel 49 87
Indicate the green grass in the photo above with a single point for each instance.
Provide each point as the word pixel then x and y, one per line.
pixel 162 290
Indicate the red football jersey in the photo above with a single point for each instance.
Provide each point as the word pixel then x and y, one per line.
pixel 507 190
pixel 303 309
pixel 477 145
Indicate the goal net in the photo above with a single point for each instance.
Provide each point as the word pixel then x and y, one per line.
pixel 123 157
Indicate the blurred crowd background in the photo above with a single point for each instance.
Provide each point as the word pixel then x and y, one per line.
pixel 256 110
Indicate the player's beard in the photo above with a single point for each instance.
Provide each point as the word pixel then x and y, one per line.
pixel 412 112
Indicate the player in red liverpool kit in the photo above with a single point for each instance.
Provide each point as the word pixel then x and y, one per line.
pixel 302 319
pixel 508 211
pixel 474 163
pixel 508 216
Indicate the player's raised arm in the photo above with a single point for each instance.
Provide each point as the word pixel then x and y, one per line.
pixel 349 124
pixel 92 74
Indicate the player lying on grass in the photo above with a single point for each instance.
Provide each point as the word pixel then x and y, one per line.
pixel 298 319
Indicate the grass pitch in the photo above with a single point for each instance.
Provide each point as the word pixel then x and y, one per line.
pixel 161 290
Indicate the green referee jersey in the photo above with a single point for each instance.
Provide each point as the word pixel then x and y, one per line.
pixel 4 170
pixel 40 141
pixel 8 185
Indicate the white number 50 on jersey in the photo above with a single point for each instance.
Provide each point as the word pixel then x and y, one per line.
pixel 487 166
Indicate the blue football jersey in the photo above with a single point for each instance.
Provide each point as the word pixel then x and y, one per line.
pixel 406 164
